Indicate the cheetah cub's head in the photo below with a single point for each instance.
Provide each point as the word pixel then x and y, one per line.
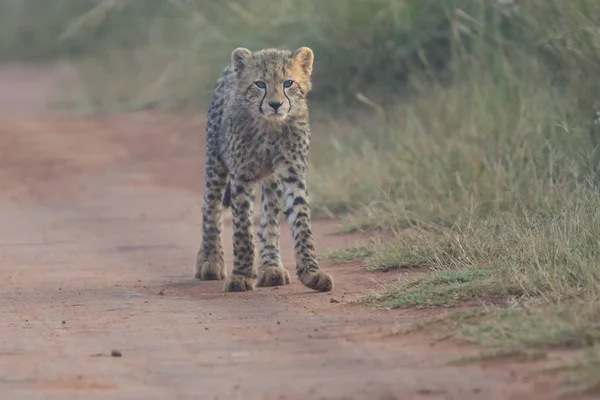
pixel 273 84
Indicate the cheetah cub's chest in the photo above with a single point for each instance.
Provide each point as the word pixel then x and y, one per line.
pixel 257 156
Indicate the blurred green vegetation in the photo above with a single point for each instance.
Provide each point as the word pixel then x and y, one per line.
pixel 29 30
pixel 170 51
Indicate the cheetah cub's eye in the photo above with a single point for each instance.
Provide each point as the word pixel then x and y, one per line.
pixel 260 84
pixel 288 83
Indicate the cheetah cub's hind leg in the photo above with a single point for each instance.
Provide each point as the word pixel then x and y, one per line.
pixel 244 273
pixel 271 271
pixel 210 263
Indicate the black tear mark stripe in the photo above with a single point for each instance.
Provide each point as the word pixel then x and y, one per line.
pixel 288 99
pixel 260 107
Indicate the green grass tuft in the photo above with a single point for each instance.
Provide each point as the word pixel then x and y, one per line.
pixel 350 253
pixel 519 355
pixel 442 288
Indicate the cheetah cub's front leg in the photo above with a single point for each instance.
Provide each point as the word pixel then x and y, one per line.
pixel 297 213
pixel 270 270
pixel 210 263
pixel 244 274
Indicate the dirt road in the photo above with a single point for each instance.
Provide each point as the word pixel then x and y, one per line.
pixel 99 228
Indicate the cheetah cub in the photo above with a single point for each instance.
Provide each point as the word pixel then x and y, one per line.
pixel 258 132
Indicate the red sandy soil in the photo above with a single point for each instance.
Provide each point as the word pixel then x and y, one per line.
pixel 99 228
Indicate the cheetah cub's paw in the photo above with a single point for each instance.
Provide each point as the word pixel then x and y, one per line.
pixel 317 280
pixel 238 283
pixel 213 270
pixel 273 276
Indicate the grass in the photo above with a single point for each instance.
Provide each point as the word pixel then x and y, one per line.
pixel 444 288
pixel 380 255
pixel 180 46
pixel 537 277
pixel 497 172
pixel 543 255
pixel 350 253
pixel 521 355
pixel 584 375
pixel 30 29
pixel 523 326
pixel 168 53
pixel 527 332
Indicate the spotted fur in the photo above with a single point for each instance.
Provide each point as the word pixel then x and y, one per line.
pixel 258 133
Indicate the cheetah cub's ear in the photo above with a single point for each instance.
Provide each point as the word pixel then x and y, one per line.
pixel 304 57
pixel 238 56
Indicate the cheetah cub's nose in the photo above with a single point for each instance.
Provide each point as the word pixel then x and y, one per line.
pixel 275 105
